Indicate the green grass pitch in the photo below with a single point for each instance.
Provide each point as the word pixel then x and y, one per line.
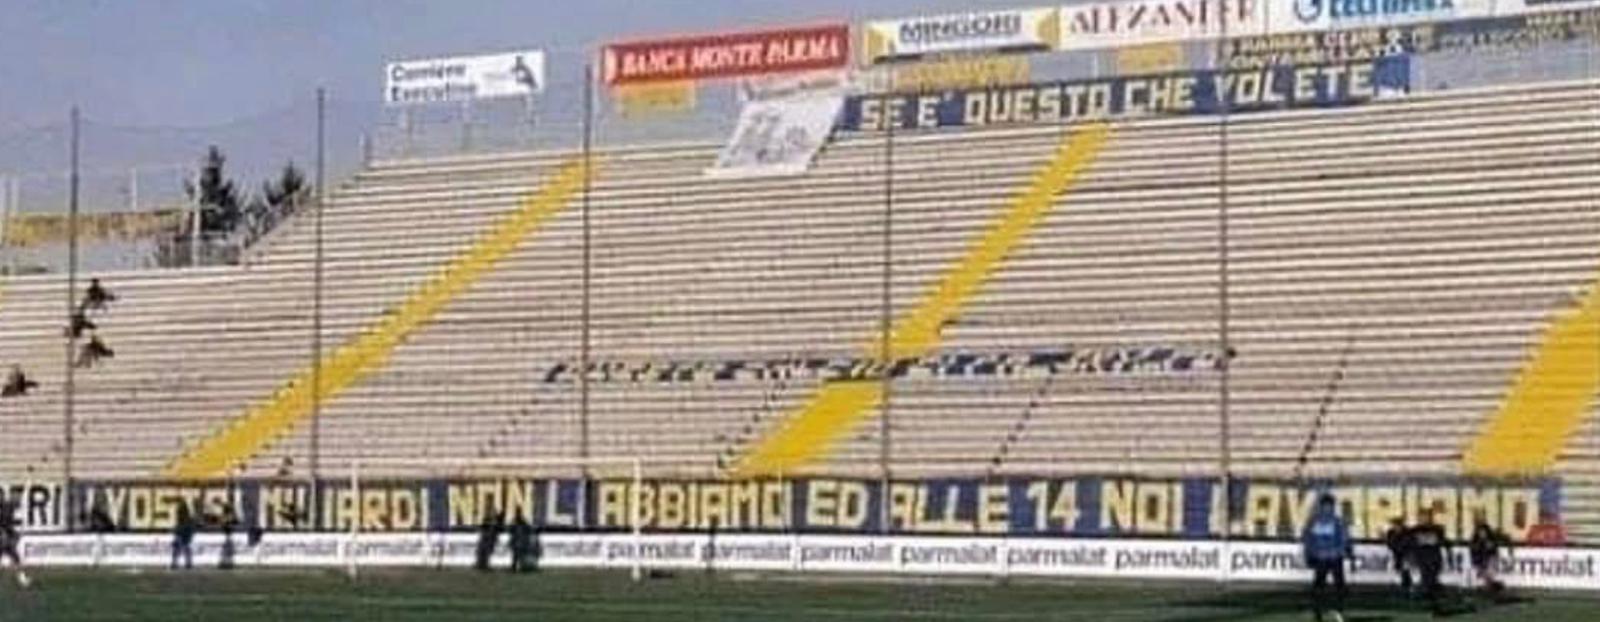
pixel 305 596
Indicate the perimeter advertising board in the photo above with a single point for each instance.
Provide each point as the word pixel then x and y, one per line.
pixel 1544 568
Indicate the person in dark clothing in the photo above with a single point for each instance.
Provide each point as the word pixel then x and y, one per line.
pixel 227 521
pixel 521 544
pixel 1484 551
pixel 1429 546
pixel 96 297
pixel 80 324
pixel 183 528
pixel 1398 539
pixel 17 383
pixel 11 540
pixel 93 351
pixel 488 537
pixel 1326 543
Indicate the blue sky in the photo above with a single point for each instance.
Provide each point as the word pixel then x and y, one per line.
pixel 186 63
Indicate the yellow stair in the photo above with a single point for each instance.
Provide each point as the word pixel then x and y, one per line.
pixel 1548 400
pixel 810 433
pixel 369 351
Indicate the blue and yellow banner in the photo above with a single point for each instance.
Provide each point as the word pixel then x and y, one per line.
pixel 1016 506
pixel 1179 93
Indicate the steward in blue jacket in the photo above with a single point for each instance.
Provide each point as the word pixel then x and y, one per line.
pixel 1326 543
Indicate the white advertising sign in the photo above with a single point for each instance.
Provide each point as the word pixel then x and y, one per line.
pixel 988 31
pixel 464 78
pixel 1273 562
pixel 1289 16
pixel 1120 23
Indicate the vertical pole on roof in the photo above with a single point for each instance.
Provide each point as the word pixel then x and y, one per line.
pixel 68 419
pixel 5 214
pixel 195 221
pixel 1224 337
pixel 316 308
pixel 133 189
pixel 885 323
pixel 585 309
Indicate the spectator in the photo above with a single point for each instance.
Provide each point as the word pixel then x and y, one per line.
pixel 17 383
pixel 80 324
pixel 1327 544
pixel 488 537
pixel 96 298
pixel 1398 539
pixel 93 351
pixel 522 536
pixel 11 540
pixel 227 521
pixel 286 468
pixel 1429 546
pixel 1484 551
pixel 183 528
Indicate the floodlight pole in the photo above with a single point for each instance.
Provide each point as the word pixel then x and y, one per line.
pixel 885 325
pixel 1224 336
pixel 586 309
pixel 69 389
pixel 316 308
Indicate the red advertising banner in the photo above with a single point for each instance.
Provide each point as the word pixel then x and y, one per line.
pixel 728 55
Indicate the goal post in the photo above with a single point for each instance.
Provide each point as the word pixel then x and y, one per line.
pixel 585 469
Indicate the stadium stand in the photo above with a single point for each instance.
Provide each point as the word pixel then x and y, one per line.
pixel 1426 265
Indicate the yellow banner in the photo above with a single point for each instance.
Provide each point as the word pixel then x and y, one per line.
pixel 1152 58
pixel 962 73
pixel 656 98
pixel 30 230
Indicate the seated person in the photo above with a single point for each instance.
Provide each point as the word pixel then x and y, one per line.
pixel 80 325
pixel 96 297
pixel 17 383
pixel 93 351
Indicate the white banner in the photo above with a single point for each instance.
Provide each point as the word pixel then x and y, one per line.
pixel 1121 23
pixel 1012 30
pixel 1125 23
pixel 1290 16
pixel 779 136
pixel 464 78
pixel 1276 562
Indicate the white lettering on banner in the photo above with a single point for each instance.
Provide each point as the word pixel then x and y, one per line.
pixel 1568 568
pixel 466 78
pixel 36 507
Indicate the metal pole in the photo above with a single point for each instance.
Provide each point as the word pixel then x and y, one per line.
pixel 585 307
pixel 885 324
pixel 5 213
pixel 1224 338
pixel 316 307
pixel 133 189
pixel 69 388
pixel 196 204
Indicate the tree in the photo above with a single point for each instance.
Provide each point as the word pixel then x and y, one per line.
pixel 221 214
pixel 279 200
